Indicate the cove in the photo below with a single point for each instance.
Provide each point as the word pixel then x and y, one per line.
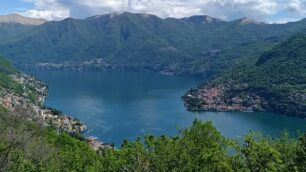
pixel 118 105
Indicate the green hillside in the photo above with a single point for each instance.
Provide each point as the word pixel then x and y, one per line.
pixel 6 67
pixel 7 82
pixel 8 30
pixel 27 145
pixel 198 45
pixel 274 82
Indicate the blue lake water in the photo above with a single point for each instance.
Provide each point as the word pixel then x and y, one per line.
pixel 118 105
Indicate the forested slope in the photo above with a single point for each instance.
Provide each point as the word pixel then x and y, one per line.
pixel 274 82
pixel 197 45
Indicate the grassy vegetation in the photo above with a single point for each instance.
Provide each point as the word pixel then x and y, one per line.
pixel 6 67
pixel 7 82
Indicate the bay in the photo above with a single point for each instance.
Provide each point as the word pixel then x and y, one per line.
pixel 118 105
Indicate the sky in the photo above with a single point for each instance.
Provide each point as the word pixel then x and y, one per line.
pixel 269 11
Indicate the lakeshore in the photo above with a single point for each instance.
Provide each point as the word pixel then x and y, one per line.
pixel 38 112
pixel 119 105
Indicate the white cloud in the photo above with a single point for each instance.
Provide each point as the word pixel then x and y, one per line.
pixel 46 14
pixel 263 10
pixel 47 9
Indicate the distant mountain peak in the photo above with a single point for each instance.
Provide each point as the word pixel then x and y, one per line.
pixel 247 21
pixel 115 14
pixel 203 19
pixel 145 15
pixel 17 18
pixel 110 15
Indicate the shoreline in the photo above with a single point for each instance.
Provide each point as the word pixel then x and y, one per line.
pixel 99 64
pixel 230 98
pixel 94 142
pixel 47 116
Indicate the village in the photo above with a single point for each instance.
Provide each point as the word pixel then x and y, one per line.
pixel 213 98
pixel 36 111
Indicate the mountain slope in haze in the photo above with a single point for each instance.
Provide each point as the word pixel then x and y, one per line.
pixel 197 45
pixel 14 24
pixel 16 18
pixel 276 82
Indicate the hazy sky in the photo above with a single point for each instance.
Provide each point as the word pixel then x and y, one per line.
pixel 271 11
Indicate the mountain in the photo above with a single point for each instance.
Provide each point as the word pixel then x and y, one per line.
pixel 197 45
pixel 203 20
pixel 190 46
pixel 275 82
pixel 14 24
pixel 16 18
pixel 247 21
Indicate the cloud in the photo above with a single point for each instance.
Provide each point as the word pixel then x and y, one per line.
pixel 47 9
pixel 262 10
pixel 46 14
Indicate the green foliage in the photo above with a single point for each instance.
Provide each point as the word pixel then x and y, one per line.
pixel 8 30
pixel 140 42
pixel 300 158
pixel 278 76
pixel 26 146
pixel 5 81
pixel 9 85
pixel 202 148
pixel 30 147
pixel 260 156
pixel 6 67
pixel 75 155
pixel 189 46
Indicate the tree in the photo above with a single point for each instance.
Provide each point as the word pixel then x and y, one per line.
pixel 300 159
pixel 259 155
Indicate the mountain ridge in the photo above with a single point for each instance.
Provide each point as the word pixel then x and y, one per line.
pixel 38 21
pixel 15 24
pixel 194 45
pixel 197 45
pixel 17 18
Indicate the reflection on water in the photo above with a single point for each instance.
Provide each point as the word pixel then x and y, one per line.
pixel 119 105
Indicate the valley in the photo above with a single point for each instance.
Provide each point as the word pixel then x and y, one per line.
pixel 147 93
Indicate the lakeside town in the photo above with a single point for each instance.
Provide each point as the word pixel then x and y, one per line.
pixel 36 111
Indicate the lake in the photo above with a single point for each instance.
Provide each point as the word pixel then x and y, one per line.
pixel 123 104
